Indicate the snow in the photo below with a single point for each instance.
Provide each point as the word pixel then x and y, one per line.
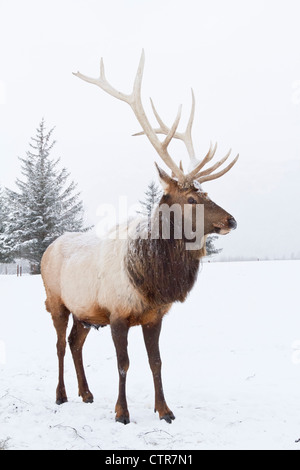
pixel 231 369
pixel 198 186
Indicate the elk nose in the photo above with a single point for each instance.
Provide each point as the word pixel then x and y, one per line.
pixel 232 223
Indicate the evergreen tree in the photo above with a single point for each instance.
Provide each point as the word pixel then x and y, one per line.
pixel 210 247
pixel 5 248
pixel 46 204
pixel 153 195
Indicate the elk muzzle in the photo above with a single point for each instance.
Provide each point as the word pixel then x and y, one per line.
pixel 225 226
pixel 232 223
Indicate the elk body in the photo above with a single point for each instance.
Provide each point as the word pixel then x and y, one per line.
pixel 127 280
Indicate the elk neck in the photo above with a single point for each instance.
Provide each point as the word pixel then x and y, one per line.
pixel 162 270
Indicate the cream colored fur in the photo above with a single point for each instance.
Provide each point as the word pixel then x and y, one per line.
pixel 84 271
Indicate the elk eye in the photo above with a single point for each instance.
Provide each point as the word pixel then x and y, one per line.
pixel 191 200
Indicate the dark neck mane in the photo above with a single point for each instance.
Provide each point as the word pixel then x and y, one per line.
pixel 163 271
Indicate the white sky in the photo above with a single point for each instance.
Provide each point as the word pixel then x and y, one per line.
pixel 242 59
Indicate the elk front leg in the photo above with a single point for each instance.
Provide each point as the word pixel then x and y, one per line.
pixel 119 331
pixel 151 334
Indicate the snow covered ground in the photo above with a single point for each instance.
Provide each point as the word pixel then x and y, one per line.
pixel 231 369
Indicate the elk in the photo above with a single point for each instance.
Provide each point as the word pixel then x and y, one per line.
pixel 125 281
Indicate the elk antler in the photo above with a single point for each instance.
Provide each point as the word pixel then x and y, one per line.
pixel 195 165
pixel 186 136
pixel 135 102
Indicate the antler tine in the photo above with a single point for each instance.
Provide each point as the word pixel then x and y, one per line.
pixel 137 86
pixel 202 179
pixel 214 167
pixel 210 154
pixel 163 128
pixel 188 131
pixel 186 136
pixel 102 71
pixel 172 131
pixel 103 83
pixel 135 102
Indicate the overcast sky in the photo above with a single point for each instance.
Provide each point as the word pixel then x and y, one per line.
pixel 242 59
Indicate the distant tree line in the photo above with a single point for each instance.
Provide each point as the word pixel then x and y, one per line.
pixel 44 206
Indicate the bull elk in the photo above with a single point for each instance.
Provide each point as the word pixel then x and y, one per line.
pixel 134 280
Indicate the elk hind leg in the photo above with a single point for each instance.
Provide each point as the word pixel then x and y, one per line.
pixel 60 317
pixel 76 341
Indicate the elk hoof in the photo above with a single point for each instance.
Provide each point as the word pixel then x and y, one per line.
pixel 60 401
pixel 88 400
pixel 168 417
pixel 87 397
pixel 123 419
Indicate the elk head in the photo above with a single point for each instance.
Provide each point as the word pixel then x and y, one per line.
pixel 182 188
pixel 215 220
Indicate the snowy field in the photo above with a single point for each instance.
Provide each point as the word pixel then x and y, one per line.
pixel 231 369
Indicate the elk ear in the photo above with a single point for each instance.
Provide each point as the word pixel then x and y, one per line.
pixel 165 180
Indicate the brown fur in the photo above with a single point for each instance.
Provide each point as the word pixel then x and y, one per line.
pixel 133 318
pixel 163 271
pixel 96 316
pixel 175 194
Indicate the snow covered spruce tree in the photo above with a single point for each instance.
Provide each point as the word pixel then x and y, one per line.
pixel 6 255
pixel 153 195
pixel 210 247
pixel 46 205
